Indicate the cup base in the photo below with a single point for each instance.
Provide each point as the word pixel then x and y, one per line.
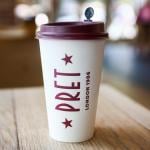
pixel 71 140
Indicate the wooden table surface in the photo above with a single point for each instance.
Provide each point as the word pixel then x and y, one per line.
pixel 121 122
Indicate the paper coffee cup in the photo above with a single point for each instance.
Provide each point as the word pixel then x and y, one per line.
pixel 71 56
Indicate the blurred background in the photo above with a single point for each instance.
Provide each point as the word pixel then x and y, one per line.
pixel 127 52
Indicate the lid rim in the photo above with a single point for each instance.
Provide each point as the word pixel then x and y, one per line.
pixel 81 37
pixel 73 30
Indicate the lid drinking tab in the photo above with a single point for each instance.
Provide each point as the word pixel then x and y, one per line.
pixel 89 12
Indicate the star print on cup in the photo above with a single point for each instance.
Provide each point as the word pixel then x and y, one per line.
pixel 67 59
pixel 67 123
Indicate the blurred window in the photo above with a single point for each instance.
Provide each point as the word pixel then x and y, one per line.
pixel 123 18
pixel 68 10
pixel 28 9
pixel 36 10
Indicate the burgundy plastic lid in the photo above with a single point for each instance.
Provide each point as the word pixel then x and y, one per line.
pixel 72 30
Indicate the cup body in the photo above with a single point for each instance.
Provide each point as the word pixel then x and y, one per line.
pixel 71 73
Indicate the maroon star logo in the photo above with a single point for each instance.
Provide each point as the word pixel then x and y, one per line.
pixel 67 59
pixel 67 123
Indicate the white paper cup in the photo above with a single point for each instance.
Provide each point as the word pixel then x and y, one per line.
pixel 71 71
